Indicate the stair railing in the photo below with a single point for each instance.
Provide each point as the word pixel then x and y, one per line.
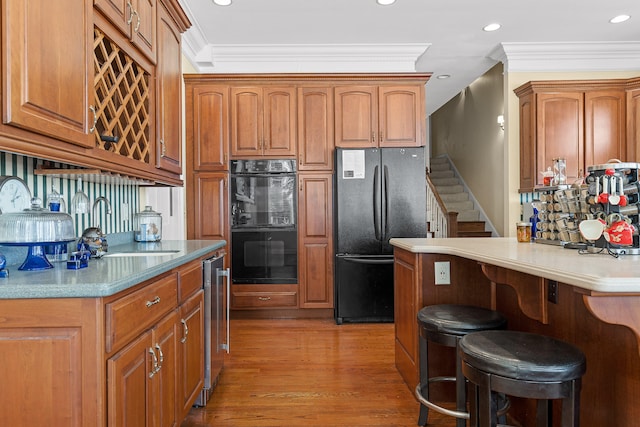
pixel 442 223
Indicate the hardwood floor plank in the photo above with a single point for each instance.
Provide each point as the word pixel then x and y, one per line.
pixel 310 373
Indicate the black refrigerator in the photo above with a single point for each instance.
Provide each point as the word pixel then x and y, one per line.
pixel 379 194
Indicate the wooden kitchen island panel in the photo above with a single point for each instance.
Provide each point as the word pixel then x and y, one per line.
pixel 603 323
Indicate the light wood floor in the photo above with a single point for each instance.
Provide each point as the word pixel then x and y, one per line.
pixel 310 373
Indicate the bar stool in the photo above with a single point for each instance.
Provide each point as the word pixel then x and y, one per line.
pixel 446 324
pixel 525 365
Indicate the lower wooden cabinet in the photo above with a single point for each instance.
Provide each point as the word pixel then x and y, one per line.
pixel 251 297
pixel 131 359
pixel 142 379
pixel 191 354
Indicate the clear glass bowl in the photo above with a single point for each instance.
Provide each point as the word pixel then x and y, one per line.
pixel 36 225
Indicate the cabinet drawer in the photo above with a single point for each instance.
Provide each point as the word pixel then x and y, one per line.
pixel 190 280
pixel 128 316
pixel 287 299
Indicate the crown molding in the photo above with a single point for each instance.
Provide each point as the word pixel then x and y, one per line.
pixel 574 56
pixel 287 58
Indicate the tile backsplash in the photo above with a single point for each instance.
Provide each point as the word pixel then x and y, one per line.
pixel 124 197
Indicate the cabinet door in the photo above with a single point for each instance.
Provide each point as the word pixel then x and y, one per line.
pixel 407 278
pixel 144 26
pixel 315 248
pixel 246 122
pixel 169 95
pixel 560 131
pixel 208 135
pixel 47 46
pixel 528 173
pixel 136 19
pixel 315 128
pixel 191 364
pixel 401 116
pixel 211 206
pixel 119 13
pixel 356 116
pixel 605 115
pixel 633 124
pixel 129 384
pixel 279 122
pixel 165 344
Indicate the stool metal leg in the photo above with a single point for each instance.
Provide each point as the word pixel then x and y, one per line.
pixel 424 381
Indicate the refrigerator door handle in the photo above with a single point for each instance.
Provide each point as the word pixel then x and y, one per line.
pixel 376 220
pixel 369 260
pixel 385 184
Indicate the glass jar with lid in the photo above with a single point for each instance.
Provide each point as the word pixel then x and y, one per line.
pixel 147 226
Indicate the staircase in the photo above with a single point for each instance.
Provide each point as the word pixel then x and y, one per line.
pixel 456 199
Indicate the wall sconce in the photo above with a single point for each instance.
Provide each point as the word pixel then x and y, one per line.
pixel 501 121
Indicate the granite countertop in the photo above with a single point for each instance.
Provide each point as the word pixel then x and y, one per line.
pixel 105 276
pixel 598 272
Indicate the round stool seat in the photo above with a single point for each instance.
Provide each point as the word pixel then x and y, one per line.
pixel 522 356
pixel 459 319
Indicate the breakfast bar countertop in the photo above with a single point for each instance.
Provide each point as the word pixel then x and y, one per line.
pixel 107 275
pixel 597 272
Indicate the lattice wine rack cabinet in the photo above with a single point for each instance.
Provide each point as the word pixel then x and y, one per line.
pixel 121 92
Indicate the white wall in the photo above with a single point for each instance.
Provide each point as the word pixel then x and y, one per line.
pixel 466 129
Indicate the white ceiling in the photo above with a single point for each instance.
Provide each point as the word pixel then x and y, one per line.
pixel 437 36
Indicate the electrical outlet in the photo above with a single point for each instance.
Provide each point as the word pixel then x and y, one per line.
pixel 443 276
pixel 552 291
pixel 124 211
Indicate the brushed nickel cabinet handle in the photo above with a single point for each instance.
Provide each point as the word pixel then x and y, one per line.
pixel 155 301
pixel 130 7
pixel 137 27
pixel 186 331
pixel 95 118
pixel 154 370
pixel 161 356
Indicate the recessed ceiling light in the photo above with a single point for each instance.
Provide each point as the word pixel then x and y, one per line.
pixel 443 76
pixel 385 2
pixel 222 2
pixel 492 27
pixel 618 19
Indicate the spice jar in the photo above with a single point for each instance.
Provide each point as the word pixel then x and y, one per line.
pixel 524 232
pixel 147 226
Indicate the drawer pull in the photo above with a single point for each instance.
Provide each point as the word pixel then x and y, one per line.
pixel 155 301
pixel 186 331
pixel 264 298
pixel 155 368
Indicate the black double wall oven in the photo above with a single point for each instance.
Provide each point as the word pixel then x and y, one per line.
pixel 264 238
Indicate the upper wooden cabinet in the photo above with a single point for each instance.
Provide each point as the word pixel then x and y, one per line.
pixel 136 19
pixel 581 121
pixel 207 127
pixel 384 116
pixel 633 120
pixel 79 90
pixel 169 91
pixel 315 128
pixel 48 68
pixel 263 121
